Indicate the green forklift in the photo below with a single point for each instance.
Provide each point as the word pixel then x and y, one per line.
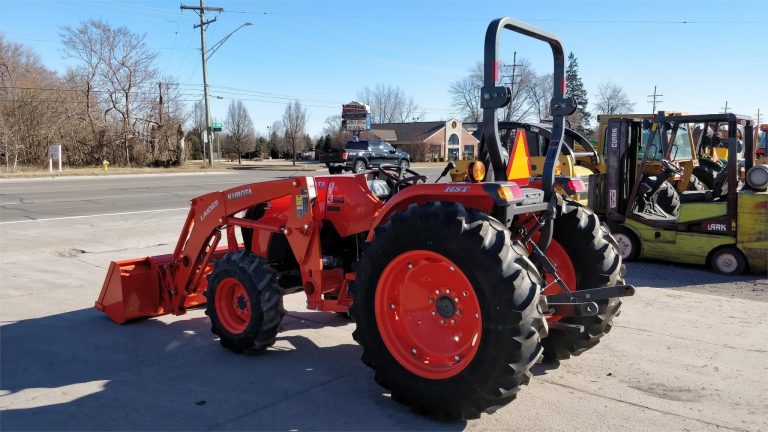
pixel 725 227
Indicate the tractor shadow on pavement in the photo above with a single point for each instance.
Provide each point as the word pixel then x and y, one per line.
pixel 79 371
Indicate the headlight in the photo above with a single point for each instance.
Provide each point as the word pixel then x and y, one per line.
pixel 757 176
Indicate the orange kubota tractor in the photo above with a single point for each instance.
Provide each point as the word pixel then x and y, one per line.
pixel 456 289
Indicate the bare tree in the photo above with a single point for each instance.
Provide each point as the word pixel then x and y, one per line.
pixel 389 104
pixel 294 123
pixel 332 125
pixel 240 128
pixel 519 77
pixel 540 95
pixel 332 129
pixel 611 99
pixel 33 107
pixel 465 95
pixel 124 69
pixel 465 92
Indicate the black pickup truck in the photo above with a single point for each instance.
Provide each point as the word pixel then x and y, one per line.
pixel 358 156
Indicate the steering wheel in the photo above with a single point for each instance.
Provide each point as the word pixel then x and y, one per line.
pixel 671 168
pixel 395 176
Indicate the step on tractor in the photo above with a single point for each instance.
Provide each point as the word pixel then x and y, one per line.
pixel 723 227
pixel 456 289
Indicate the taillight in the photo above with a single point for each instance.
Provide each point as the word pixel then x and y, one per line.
pixel 510 192
pixel 577 186
pixel 344 155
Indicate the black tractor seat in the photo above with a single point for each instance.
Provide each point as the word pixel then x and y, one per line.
pixel 379 188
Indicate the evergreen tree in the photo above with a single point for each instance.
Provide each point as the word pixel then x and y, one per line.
pixel 575 89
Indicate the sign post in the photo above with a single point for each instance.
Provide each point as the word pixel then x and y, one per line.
pixel 54 153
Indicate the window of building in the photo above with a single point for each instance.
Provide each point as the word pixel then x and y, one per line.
pixel 453 140
pixel 434 151
pixel 469 151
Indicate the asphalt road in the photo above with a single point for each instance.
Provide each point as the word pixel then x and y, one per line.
pixel 687 353
pixel 46 198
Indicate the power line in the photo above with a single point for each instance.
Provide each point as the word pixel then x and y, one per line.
pixel 79 90
pixel 482 19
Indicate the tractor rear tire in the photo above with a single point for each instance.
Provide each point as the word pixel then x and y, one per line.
pixel 667 199
pixel 486 354
pixel 244 302
pixel 597 263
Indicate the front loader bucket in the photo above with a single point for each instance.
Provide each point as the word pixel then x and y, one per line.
pixel 131 290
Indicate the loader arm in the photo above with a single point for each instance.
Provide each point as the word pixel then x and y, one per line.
pixel 158 285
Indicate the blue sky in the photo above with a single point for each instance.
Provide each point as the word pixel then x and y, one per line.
pixel 700 54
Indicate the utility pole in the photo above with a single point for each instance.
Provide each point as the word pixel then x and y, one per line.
pixel 655 96
pixel 725 108
pixel 758 118
pixel 201 12
pixel 514 65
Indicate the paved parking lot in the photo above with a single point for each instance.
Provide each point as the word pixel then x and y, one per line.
pixel 687 353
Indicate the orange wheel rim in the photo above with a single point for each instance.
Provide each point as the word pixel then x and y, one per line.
pixel 564 266
pixel 233 307
pixel 428 314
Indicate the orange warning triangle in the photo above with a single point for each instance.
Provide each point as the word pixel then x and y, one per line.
pixel 519 166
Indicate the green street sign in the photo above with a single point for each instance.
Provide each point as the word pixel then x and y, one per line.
pixel 217 127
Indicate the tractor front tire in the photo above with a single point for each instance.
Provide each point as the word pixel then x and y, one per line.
pixel 694 184
pixel 447 311
pixel 244 302
pixel 597 263
pixel 706 174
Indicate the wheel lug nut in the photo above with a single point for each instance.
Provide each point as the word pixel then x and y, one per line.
pixel 456 299
pixel 410 266
pixel 458 312
pixel 392 306
pixel 433 313
pixel 453 321
pixel 413 351
pixel 456 358
pixel 437 291
pixel 477 315
pixel 451 267
pixel 442 321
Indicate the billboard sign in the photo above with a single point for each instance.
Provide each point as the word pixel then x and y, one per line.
pixel 355 116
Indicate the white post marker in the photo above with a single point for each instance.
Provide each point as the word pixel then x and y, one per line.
pixel 54 153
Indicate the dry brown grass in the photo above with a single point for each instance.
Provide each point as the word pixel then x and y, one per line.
pixel 31 172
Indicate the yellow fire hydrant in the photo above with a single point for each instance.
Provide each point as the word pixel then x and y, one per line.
pixel 106 165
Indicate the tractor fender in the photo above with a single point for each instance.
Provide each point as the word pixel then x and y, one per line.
pixel 470 195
